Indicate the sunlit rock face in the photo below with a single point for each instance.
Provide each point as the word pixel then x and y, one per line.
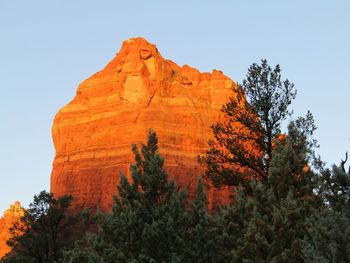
pixel 113 109
pixel 10 216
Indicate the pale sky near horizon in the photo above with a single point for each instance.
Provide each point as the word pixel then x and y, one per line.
pixel 48 47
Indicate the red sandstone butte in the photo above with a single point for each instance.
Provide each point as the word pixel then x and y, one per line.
pixel 10 216
pixel 138 90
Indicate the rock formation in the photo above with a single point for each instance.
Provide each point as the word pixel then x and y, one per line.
pixel 115 108
pixel 10 216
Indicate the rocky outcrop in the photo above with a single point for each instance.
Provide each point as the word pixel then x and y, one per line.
pixel 10 216
pixel 137 91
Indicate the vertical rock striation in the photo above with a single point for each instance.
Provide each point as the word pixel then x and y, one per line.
pixel 137 91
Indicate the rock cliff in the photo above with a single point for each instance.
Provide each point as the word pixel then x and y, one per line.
pixel 115 108
pixel 10 216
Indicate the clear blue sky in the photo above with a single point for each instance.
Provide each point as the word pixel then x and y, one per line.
pixel 48 47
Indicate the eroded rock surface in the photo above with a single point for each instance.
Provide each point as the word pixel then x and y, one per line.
pixel 10 216
pixel 137 91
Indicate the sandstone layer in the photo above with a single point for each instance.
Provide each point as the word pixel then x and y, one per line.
pixel 113 109
pixel 10 216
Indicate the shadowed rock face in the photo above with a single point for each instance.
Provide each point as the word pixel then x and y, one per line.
pixel 137 91
pixel 10 216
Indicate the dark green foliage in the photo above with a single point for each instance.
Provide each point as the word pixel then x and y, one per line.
pixel 150 183
pixel 148 222
pixel 265 99
pixel 269 223
pixel 336 189
pixel 290 164
pixel 200 235
pixel 47 230
pixel 329 228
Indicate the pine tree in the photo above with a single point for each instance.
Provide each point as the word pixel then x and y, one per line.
pixel 200 235
pixel 47 230
pixel 329 227
pixel 269 224
pixel 243 140
pixel 148 221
